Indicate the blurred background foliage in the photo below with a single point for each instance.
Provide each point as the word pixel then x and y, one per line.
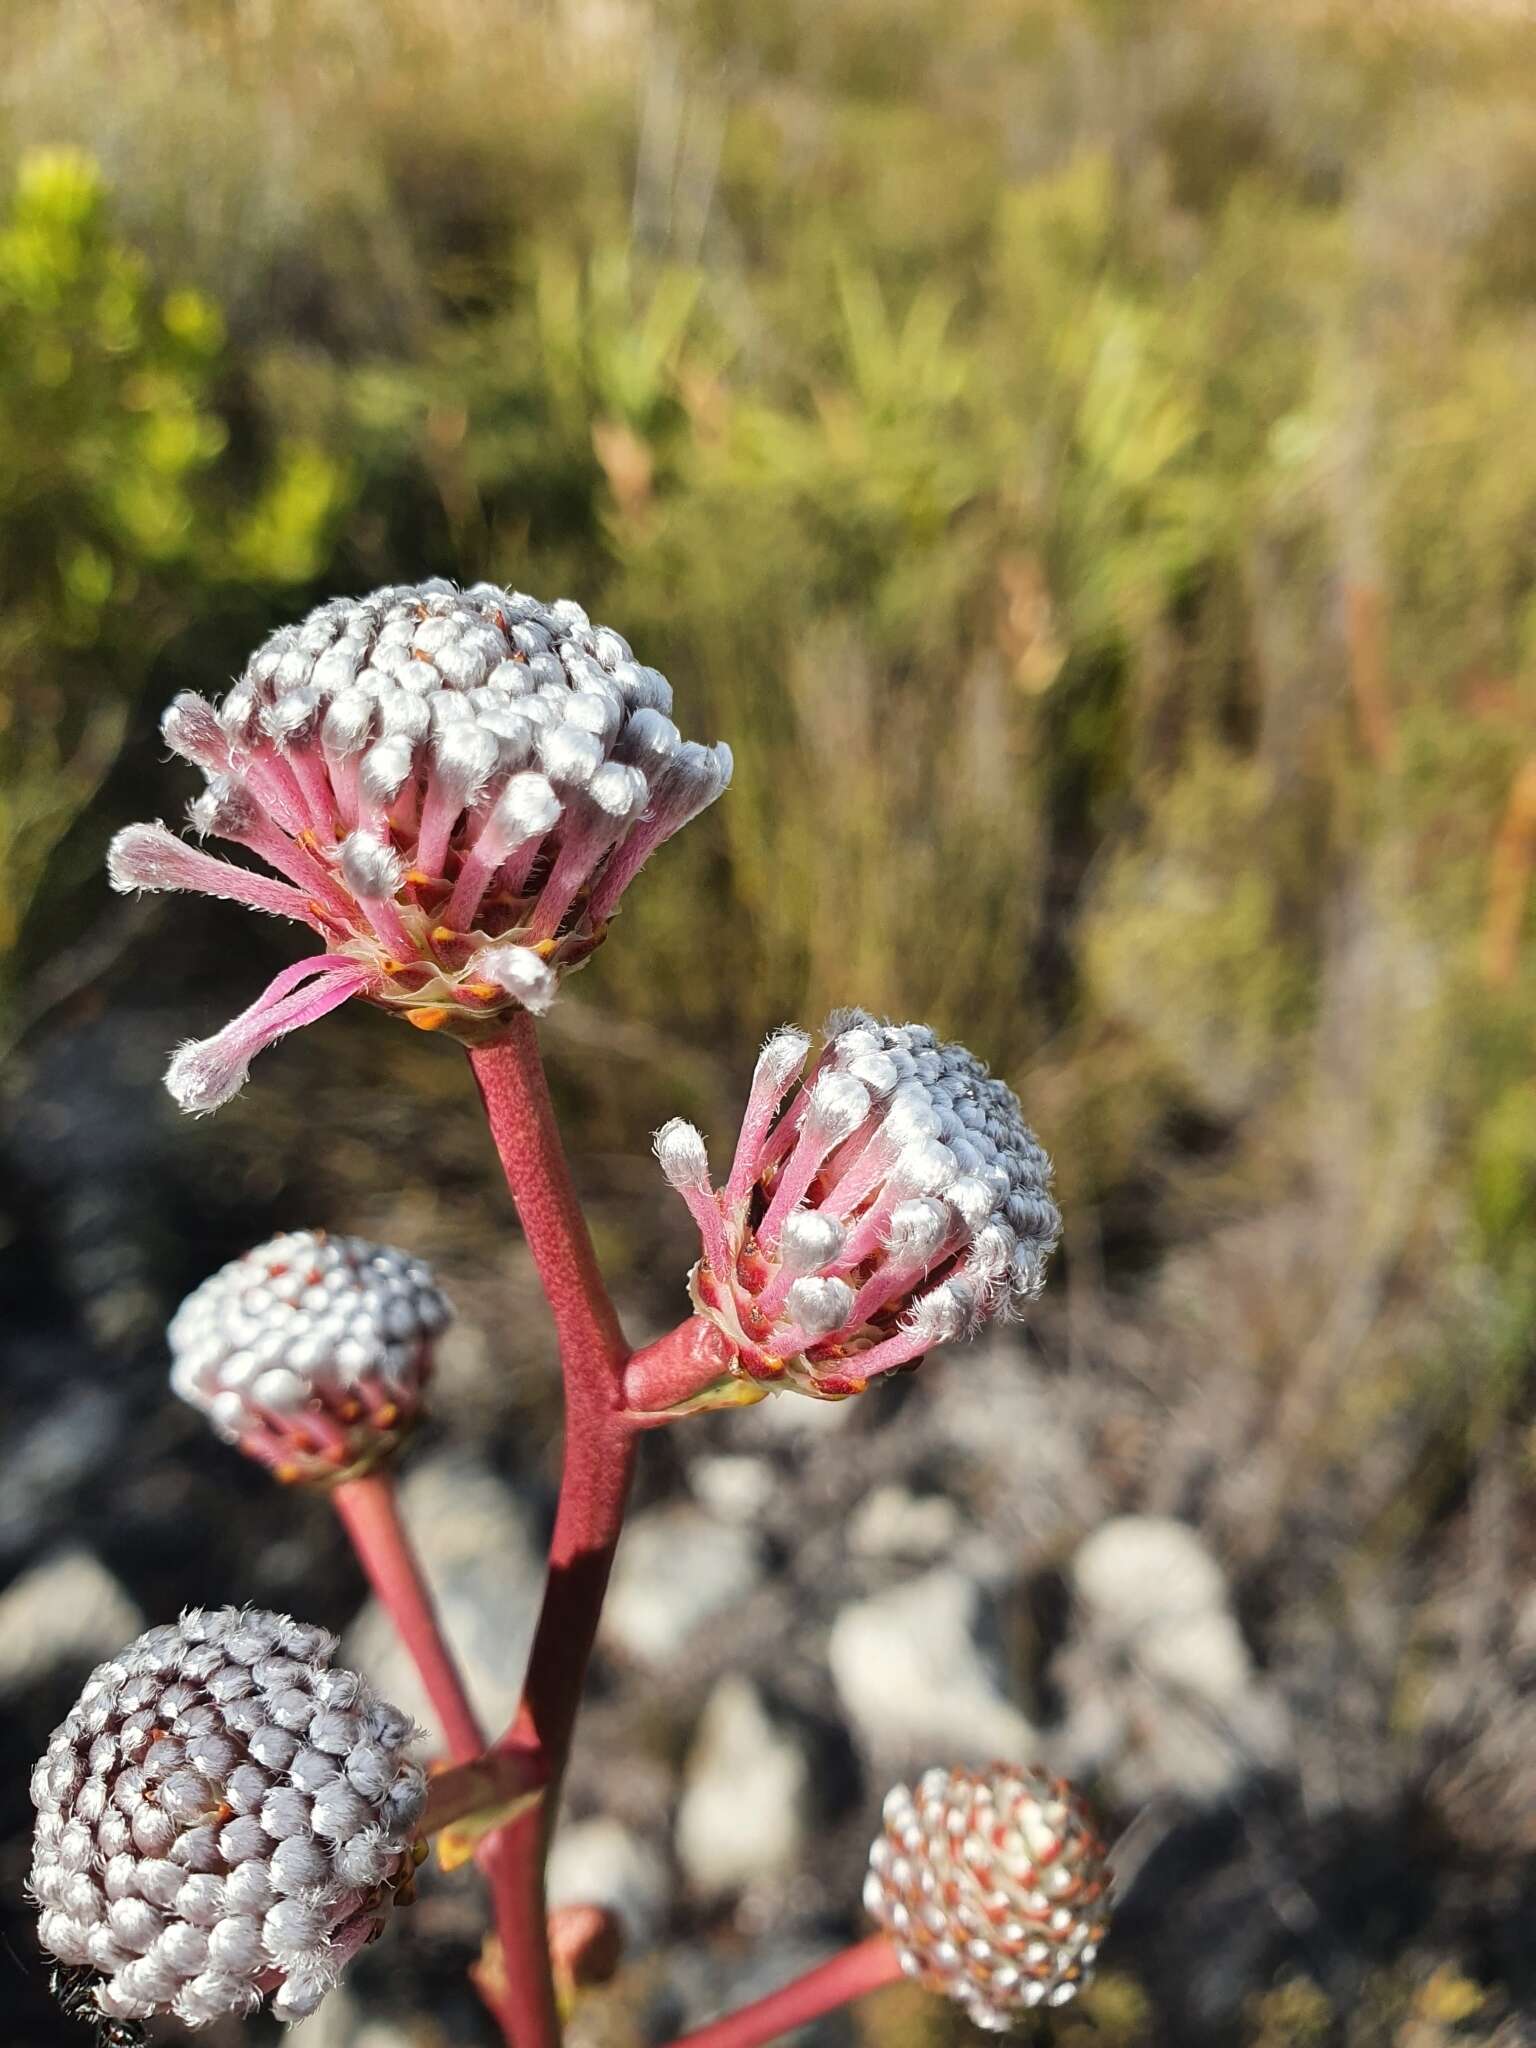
pixel 1081 453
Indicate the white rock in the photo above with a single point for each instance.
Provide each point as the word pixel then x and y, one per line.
pixel 892 1522
pixel 1140 1572
pixel 68 1609
pixel 601 1863
pixel 746 1804
pixel 735 1488
pixel 677 1569
pixel 916 1675
pixel 477 1551
pixel 1161 1691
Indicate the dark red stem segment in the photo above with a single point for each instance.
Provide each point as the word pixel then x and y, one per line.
pixel 594 1484
pixel 370 1513
pixel 864 1967
pixel 512 1086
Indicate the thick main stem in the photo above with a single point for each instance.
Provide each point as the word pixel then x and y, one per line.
pixel 370 1513
pixel 598 1461
pixel 864 1967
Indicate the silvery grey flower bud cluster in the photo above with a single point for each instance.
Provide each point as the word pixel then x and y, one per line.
pixel 898 1201
pixel 455 787
pixel 994 1886
pixel 224 1818
pixel 311 1351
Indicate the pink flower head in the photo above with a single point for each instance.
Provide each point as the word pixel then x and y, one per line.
pixel 311 1352
pixel 454 789
pixel 897 1201
pixel 993 1884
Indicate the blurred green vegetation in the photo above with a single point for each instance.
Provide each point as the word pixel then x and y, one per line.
pixel 1081 453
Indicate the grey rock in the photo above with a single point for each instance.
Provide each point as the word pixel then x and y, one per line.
pixel 67 1610
pixel 678 1568
pixel 602 1863
pixel 477 1551
pixel 745 1810
pixel 919 1675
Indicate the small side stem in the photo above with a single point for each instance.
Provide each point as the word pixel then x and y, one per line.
pixel 864 1967
pixel 370 1513
pixel 678 1370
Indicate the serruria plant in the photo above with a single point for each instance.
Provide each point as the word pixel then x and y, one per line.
pixel 452 790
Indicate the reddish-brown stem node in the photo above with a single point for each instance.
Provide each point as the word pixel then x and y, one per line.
pixel 865 1967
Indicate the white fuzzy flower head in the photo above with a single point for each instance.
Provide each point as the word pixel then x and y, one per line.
pixel 311 1352
pixel 994 1887
pixel 893 1202
pixel 452 788
pixel 223 1819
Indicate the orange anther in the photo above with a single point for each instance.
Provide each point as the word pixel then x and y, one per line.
pixel 431 1019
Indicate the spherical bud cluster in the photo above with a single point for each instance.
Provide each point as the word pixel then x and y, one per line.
pixel 454 789
pixel 311 1352
pixel 993 1886
pixel 223 1819
pixel 897 1201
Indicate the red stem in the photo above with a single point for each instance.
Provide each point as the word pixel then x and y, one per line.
pixel 370 1514
pixel 864 1967
pixel 594 1484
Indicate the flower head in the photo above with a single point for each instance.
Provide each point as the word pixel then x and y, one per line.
pixel 222 1819
pixel 994 1886
pixel 310 1352
pixel 454 789
pixel 897 1201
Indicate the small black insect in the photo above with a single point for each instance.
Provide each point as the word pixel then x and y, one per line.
pixel 75 1990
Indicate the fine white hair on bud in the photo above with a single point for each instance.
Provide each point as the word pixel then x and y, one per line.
pixel 186 1854
pixel 994 1887
pixel 810 1240
pixel 511 763
pixel 520 971
pixel 464 756
pixel 783 1055
pixel 528 807
pixel 894 1202
pixel 820 1306
pixel 682 1154
pixel 311 1352
pixel 916 1229
pixel 839 1104
pixel 370 867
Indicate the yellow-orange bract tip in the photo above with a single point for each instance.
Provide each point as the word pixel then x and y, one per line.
pixel 546 947
pixel 443 935
pixel 429 1020
pixel 486 990
pixel 418 876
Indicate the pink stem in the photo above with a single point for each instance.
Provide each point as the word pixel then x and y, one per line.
pixel 865 1967
pixel 599 1458
pixel 370 1513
